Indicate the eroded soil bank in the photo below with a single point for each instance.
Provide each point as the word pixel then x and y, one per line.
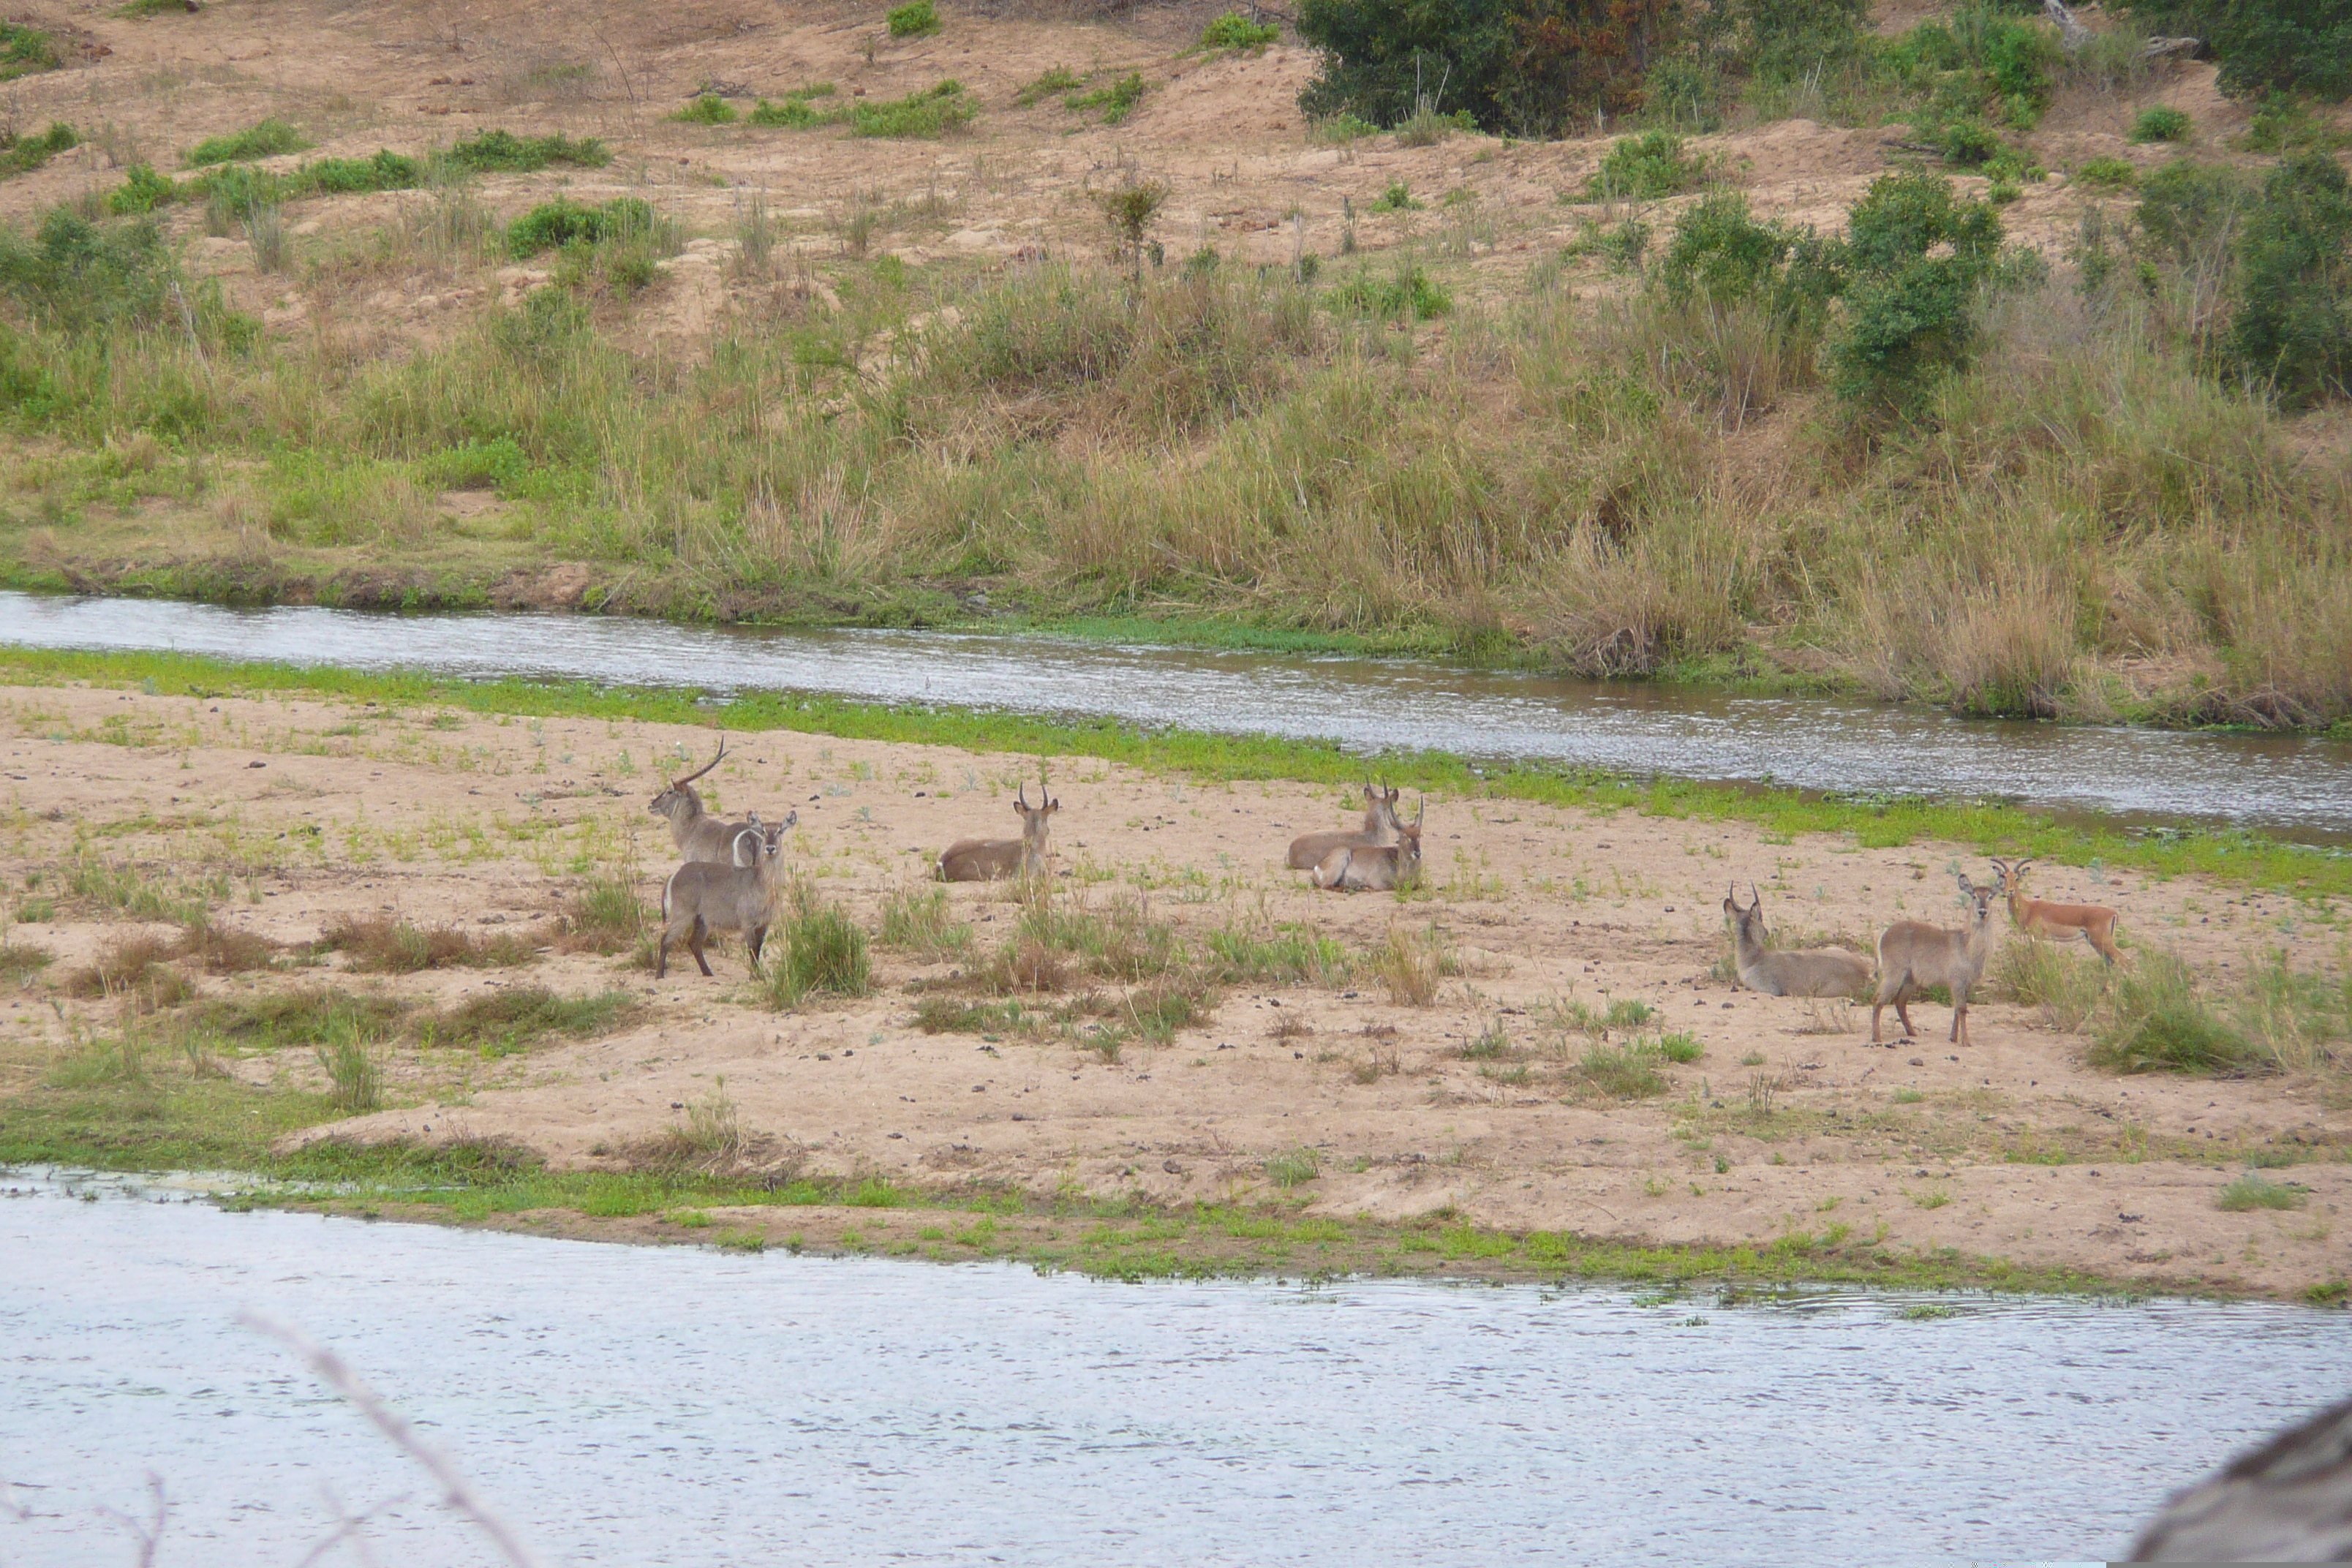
pixel 1312 1103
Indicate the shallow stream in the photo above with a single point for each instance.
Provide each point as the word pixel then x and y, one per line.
pixel 2295 786
pixel 633 1405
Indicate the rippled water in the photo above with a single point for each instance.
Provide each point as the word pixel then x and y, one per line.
pixel 638 1405
pixel 2282 783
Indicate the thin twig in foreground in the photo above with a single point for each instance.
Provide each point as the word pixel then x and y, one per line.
pixel 393 1425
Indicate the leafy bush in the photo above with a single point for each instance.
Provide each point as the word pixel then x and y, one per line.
pixel 142 191
pixel 1395 197
pixel 708 108
pixel 1645 167
pixel 2160 122
pixel 2306 44
pixel 914 19
pixel 1409 294
pixel 1530 66
pixel 565 221
pixel 1235 31
pixel 1721 251
pixel 2293 323
pixel 918 115
pixel 791 114
pixel 1969 143
pixel 2107 173
pixel 503 152
pixel 266 140
pixel 24 50
pixel 2186 208
pixel 23 154
pixel 77 275
pixel 1116 102
pixel 1909 299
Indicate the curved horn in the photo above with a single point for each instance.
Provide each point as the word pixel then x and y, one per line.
pixel 1420 810
pixel 1755 899
pixel 680 783
pixel 1022 796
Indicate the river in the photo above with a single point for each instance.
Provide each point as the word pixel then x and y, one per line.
pixel 628 1405
pixel 2293 786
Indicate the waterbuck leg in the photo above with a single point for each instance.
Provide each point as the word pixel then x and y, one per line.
pixel 1902 1011
pixel 754 939
pixel 694 940
pixel 661 955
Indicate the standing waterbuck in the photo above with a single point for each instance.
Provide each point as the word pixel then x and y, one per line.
pixel 1800 972
pixel 2095 923
pixel 1380 829
pixel 1373 867
pixel 702 896
pixel 990 860
pixel 1913 956
pixel 698 835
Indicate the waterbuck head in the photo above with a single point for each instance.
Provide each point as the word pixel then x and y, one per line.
pixel 1983 896
pixel 679 803
pixel 1380 811
pixel 1408 844
pixel 1033 818
pixel 1748 922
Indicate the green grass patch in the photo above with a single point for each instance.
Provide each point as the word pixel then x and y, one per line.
pixel 707 109
pixel 817 950
pixel 2107 173
pixel 915 19
pixel 501 151
pixel 506 1022
pixel 1409 294
pixel 266 139
pixel 1645 167
pixel 1235 31
pixel 919 116
pixel 2255 1191
pixel 23 154
pixel 2156 1020
pixel 2160 122
pixel 1116 101
pixel 25 51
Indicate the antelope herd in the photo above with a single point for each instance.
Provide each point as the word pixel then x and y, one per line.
pixel 732 877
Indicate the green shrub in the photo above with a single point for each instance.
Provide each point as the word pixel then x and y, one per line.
pixel 1645 167
pixel 2107 173
pixel 1116 102
pixel 1621 1072
pixel 503 152
pixel 2155 1021
pixel 2304 44
pixel 2293 321
pixel 23 154
pixel 142 191
pixel 815 950
pixel 2160 122
pixel 1969 143
pixel 78 276
pixel 918 115
pixel 1721 251
pixel 1914 260
pixel 565 221
pixel 2187 208
pixel 791 114
pixel 266 140
pixel 1235 31
pixel 24 50
pixel 914 19
pixel 1396 198
pixel 1533 68
pixel 1409 294
pixel 708 108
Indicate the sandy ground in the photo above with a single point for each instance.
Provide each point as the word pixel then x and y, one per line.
pixel 311 809
pixel 1221 130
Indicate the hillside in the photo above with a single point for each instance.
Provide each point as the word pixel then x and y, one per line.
pixel 880 360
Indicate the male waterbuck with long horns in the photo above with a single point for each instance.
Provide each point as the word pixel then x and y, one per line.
pixel 2094 923
pixel 1797 972
pixel 992 859
pixel 1373 867
pixel 1380 829
pixel 698 835
pixel 702 896
pixel 1913 955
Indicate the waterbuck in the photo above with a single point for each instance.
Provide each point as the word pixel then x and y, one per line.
pixel 990 860
pixel 1913 956
pixel 1373 867
pixel 1800 972
pixel 702 896
pixel 698 835
pixel 2095 923
pixel 744 849
pixel 1380 829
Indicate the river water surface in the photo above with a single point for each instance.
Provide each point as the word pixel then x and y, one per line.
pixel 629 1405
pixel 2292 784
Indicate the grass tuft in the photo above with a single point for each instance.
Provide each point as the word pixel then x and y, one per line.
pixel 389 944
pixel 921 921
pixel 817 950
pixel 268 139
pixel 505 1022
pixel 2156 1020
pixel 2255 1191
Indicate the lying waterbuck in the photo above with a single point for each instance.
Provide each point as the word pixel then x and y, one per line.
pixel 2095 923
pixel 698 835
pixel 1800 972
pixel 1913 956
pixel 701 897
pixel 1380 829
pixel 991 859
pixel 1373 867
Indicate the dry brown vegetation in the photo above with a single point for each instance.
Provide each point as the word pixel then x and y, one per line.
pixel 895 379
